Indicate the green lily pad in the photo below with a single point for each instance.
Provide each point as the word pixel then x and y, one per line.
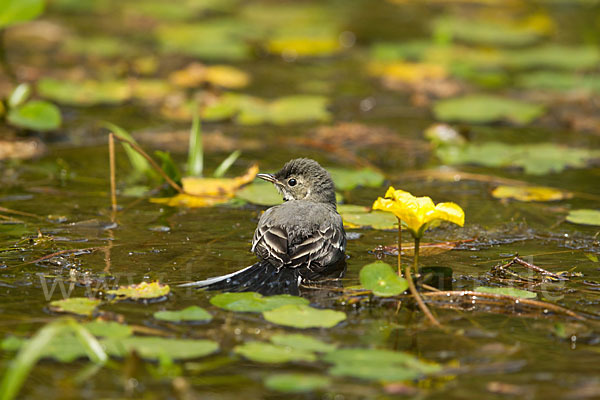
pixel 141 291
pixel 382 280
pixel 356 217
pixel 36 115
pixel 108 329
pixel 552 56
pixel 303 342
pixel 17 11
pixel 85 93
pixel 486 108
pixel 270 353
pixel 75 305
pixel 192 313
pixel 584 217
pixel 154 348
pixel 378 365
pixel 345 179
pixel 559 81
pixel 507 291
pixel 304 316
pixel 283 110
pixel 296 383
pixel 261 193
pixel 254 302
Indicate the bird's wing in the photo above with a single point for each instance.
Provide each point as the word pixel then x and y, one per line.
pixel 270 243
pixel 323 247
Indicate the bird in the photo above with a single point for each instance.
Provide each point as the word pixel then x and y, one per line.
pixel 297 242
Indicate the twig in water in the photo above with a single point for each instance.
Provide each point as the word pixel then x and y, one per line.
pixel 113 181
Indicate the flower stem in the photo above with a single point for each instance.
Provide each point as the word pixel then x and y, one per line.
pixel 399 247
pixel 413 288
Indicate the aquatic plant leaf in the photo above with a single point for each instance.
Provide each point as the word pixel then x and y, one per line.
pixel 297 46
pixel 254 302
pixel 507 291
pixel 356 217
pixel 302 342
pixel 407 72
pixel 154 348
pixel 378 365
pixel 569 57
pixel 530 193
pixel 477 108
pixel 108 329
pixel 16 11
pixel 196 74
pixel 192 313
pixel 584 217
pixel 84 93
pixel 18 96
pixel 75 305
pixel 261 193
pixel 346 179
pixel 304 316
pixel 37 115
pixel 270 353
pixel 296 383
pixel 283 110
pixel 560 81
pixel 141 291
pixel 382 280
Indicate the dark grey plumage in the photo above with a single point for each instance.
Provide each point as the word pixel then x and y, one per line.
pixel 301 240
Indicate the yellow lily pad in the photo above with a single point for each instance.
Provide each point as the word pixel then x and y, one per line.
pixel 75 305
pixel 304 46
pixel 408 72
pixel 197 74
pixel 141 291
pixel 530 193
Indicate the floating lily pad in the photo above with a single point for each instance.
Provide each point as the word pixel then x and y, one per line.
pixel 154 348
pixel 283 111
pixel 345 179
pixel 356 217
pixel 192 313
pixel 559 81
pixel 584 217
pixel 261 193
pixel 299 46
pixel 17 11
pixel 85 93
pixel 108 329
pixel 303 342
pixel 75 305
pixel 486 108
pixel 382 280
pixel 36 115
pixel 553 56
pixel 530 193
pixel 378 365
pixel 254 302
pixel 304 316
pixel 270 353
pixel 296 383
pixel 507 291
pixel 141 291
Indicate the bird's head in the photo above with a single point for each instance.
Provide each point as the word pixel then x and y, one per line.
pixel 303 179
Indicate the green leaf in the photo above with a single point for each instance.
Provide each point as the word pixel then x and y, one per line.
pixel 16 11
pixel 261 193
pixel 477 108
pixel 222 169
pixel 141 291
pixel 154 348
pixel 382 280
pixel 553 56
pixel 85 93
pixel 36 115
pixel 19 95
pixel 378 365
pixel 296 383
pixel 559 81
pixel 168 165
pixel 192 313
pixel 302 342
pixel 108 329
pixel 345 179
pixel 356 217
pixel 283 110
pixel 195 163
pixel 304 316
pixel 507 291
pixel 270 353
pixel 584 217
pixel 254 302
pixel 137 161
pixel 75 305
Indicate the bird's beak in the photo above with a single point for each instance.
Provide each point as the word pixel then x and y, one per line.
pixel 267 177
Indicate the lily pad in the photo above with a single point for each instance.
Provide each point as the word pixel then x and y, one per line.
pixel 507 291
pixel 378 365
pixel 36 115
pixel 296 383
pixel 345 179
pixel 254 302
pixel 192 313
pixel 154 348
pixel 270 353
pixel 141 291
pixel 75 305
pixel 382 280
pixel 304 46
pixel 84 93
pixel 303 342
pixel 304 316
pixel 486 108
pixel 553 56
pixel 559 81
pixel 261 193
pixel 530 193
pixel 584 217
pixel 356 217
pixel 283 110
pixel 108 329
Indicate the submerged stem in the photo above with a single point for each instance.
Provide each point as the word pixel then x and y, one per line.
pixel 399 247
pixel 413 288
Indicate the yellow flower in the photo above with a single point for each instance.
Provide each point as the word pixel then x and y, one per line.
pixel 418 213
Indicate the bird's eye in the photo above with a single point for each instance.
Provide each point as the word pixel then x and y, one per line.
pixel 292 182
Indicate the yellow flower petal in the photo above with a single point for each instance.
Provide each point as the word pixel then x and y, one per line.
pixel 453 213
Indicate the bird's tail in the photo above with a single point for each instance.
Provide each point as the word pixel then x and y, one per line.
pixel 261 277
